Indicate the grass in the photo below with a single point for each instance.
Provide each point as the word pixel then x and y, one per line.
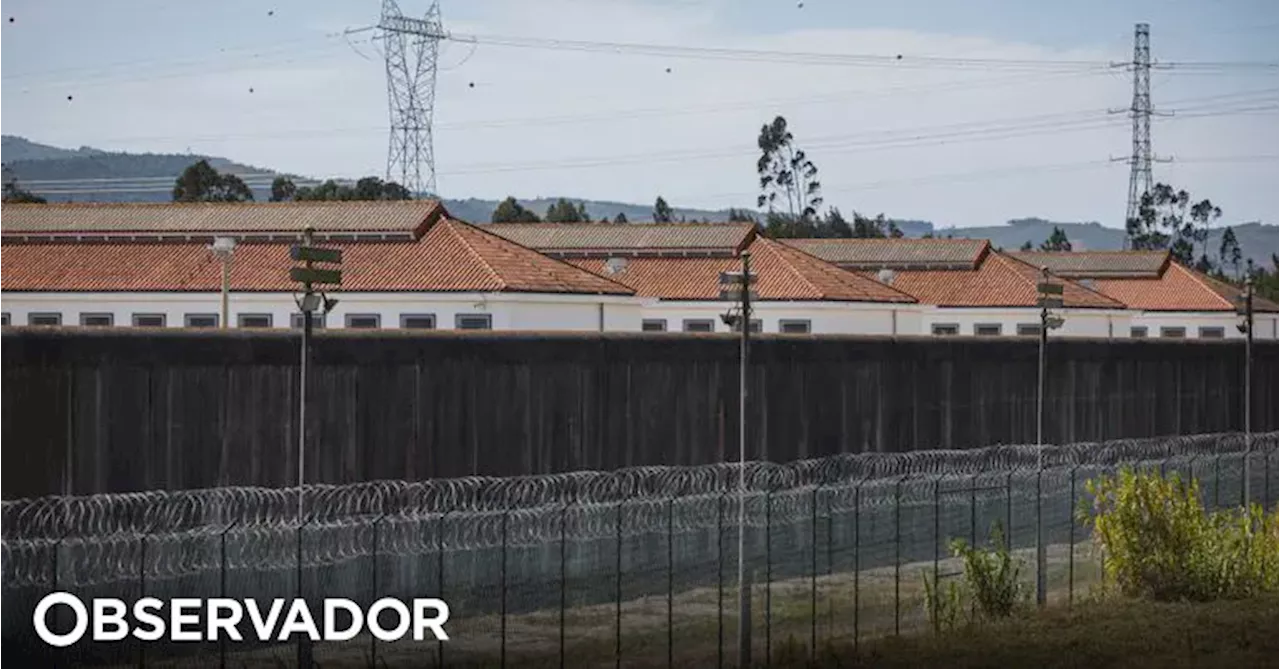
pixel 1092 634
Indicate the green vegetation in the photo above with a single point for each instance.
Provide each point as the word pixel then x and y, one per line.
pixel 1161 544
pixel 990 589
pixel 200 182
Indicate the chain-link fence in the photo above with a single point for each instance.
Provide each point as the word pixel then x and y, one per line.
pixel 635 567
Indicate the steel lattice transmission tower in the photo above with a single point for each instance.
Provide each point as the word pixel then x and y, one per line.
pixel 411 47
pixel 1140 111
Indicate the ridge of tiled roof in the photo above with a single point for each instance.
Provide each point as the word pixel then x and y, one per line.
pixel 626 238
pixel 896 253
pixel 405 217
pixel 783 274
pixel 1098 264
pixel 1178 288
pixel 452 256
pixel 997 281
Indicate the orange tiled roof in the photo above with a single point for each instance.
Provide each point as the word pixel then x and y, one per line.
pixel 998 281
pixel 1098 264
pixel 451 256
pixel 627 238
pixel 783 273
pixel 1177 289
pixel 901 253
pixel 404 216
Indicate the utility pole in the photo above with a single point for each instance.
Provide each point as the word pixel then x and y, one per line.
pixel 1050 298
pixel 737 285
pixel 309 276
pixel 411 47
pixel 1244 307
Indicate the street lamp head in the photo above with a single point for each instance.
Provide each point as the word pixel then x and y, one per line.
pixel 223 248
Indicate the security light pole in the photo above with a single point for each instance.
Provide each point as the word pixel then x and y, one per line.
pixel 1245 307
pixel 738 284
pixel 224 249
pixel 308 276
pixel 1050 296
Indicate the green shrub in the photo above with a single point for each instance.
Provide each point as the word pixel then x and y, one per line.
pixel 990 588
pixel 1160 543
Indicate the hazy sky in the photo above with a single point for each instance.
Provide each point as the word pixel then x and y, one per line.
pixel 972 145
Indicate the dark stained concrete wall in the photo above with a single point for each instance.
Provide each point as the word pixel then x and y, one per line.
pixel 121 410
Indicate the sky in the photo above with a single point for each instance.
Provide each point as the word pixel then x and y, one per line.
pixel 972 139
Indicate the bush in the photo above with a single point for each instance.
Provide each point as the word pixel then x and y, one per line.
pixel 1160 543
pixel 990 589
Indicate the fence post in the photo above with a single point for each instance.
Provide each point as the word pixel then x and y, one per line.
pixel 1071 541
pixel 768 574
pixel 813 574
pixel 857 560
pixel 937 543
pixel 1008 512
pixel 564 583
pixel 720 581
pixel 222 587
pixel 617 591
pixel 502 625
pixel 671 575
pixel 440 575
pixel 897 556
pixel 373 584
pixel 1217 480
pixel 304 640
pixel 142 586
pixel 830 560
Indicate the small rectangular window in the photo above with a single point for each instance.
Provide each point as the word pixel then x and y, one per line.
pixel 4 318
pixel 1028 329
pixel 793 327
pixel 44 319
pixel 1138 332
pixel 253 320
pixel 418 321
pixel 473 322
pixel 987 329
pixel 317 321
pixel 1208 332
pixel 364 321
pixel 200 320
pixel 1173 332
pixel 756 326
pixel 148 320
pixel 946 329
pixel 653 325
pixel 699 325
pixel 96 320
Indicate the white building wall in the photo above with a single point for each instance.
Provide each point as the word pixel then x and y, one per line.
pixel 508 311
pixel 823 317
pixel 1076 322
pixel 1264 323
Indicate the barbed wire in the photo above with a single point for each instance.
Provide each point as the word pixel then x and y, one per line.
pixel 157 535
pixel 54 517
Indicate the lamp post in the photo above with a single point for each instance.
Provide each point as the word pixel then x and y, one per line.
pixel 1244 307
pixel 737 285
pixel 1050 297
pixel 224 249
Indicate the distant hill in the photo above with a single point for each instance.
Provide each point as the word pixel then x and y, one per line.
pixel 1257 241
pixel 62 175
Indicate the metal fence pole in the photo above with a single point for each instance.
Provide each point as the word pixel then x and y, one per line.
pixel 768 574
pixel 671 576
pixel 564 584
pixel 373 583
pixel 897 557
pixel 617 590
pixel 813 575
pixel 937 543
pixel 502 596
pixel 304 641
pixel 440 575
pixel 1008 512
pixel 720 581
pixel 1071 541
pixel 857 560
pixel 222 587
pixel 142 587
